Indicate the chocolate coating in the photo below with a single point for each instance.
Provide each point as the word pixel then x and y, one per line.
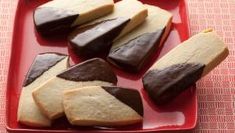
pixel 41 64
pixel 134 54
pixel 97 38
pixel 164 85
pixel 129 97
pixel 49 20
pixel 90 70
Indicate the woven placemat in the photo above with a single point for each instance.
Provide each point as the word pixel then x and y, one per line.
pixel 216 91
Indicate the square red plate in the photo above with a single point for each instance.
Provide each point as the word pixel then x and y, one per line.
pixel 181 114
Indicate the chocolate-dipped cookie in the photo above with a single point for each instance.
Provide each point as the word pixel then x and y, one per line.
pixel 132 51
pixel 91 72
pixel 58 16
pixel 96 37
pixel 103 106
pixel 183 66
pixel 44 67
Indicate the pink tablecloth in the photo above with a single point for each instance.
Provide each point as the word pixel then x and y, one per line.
pixel 216 92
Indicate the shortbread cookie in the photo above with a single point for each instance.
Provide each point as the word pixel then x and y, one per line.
pixel 97 36
pixel 60 15
pixel 183 66
pixel 91 72
pixel 44 67
pixel 132 51
pixel 103 106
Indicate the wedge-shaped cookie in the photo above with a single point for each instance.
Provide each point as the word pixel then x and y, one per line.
pixel 91 72
pixel 44 67
pixel 132 51
pixel 103 106
pixel 183 66
pixel 97 36
pixel 60 15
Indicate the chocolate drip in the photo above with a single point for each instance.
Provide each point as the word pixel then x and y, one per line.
pixel 94 39
pixel 135 53
pixel 127 96
pixel 90 70
pixel 41 64
pixel 49 20
pixel 164 85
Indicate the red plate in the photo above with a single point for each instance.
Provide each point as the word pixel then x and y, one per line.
pixel 181 114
